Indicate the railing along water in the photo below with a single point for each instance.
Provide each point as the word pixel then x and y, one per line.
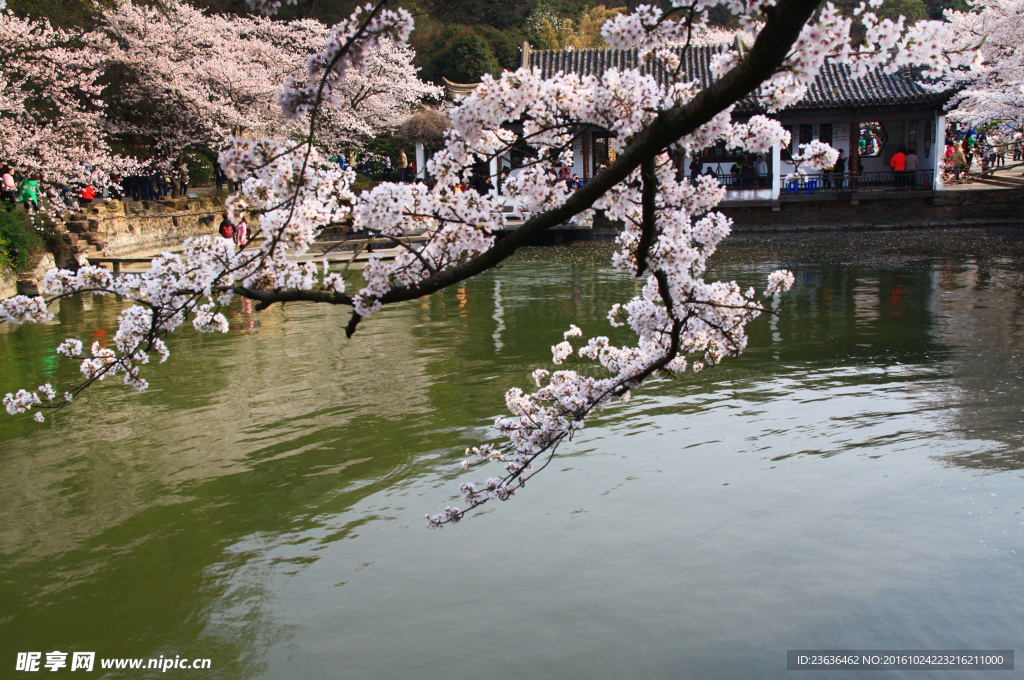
pixel 919 180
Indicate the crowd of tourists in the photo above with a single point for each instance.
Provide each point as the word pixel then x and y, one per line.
pixel 155 182
pixel 989 149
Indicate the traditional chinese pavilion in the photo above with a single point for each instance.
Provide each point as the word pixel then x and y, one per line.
pixel 869 118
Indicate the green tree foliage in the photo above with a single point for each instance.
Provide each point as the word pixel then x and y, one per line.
pixel 18 242
pixel 462 56
pixel 200 169
pixel 61 13
pixel 582 34
pixel 937 7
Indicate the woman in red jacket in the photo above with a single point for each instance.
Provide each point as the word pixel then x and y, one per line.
pixel 898 165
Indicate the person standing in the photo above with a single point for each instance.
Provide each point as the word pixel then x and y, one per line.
pixel 227 230
pixel 241 233
pixel 695 168
pixel 149 185
pixel 218 176
pixel 748 173
pixel 402 165
pixel 183 173
pixel 7 186
pixel 762 170
pixel 28 193
pixel 839 171
pixel 163 187
pixel 898 164
pixel 116 187
pixel 959 161
pixel 910 165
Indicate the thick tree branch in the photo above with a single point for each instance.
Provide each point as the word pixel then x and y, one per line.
pixel 649 176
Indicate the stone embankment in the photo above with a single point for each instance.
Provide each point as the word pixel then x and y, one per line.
pixel 119 229
pixel 976 207
pixel 116 228
pixel 8 283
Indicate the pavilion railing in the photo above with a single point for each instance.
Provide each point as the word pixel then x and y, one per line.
pixel 741 182
pixel 920 180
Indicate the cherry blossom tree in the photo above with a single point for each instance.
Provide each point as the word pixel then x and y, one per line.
pixel 681 323
pixel 993 89
pixel 52 121
pixel 184 77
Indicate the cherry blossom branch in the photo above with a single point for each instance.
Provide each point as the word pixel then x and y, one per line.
pixel 670 228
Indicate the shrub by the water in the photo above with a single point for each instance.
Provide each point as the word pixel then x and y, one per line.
pixel 200 170
pixel 18 241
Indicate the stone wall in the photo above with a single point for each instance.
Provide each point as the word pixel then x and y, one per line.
pixel 31 279
pixel 969 208
pixel 118 229
pixel 8 283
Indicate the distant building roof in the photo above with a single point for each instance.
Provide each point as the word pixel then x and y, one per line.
pixel 832 88
pixel 458 89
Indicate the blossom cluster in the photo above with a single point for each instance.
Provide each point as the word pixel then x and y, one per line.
pixel 992 90
pixel 197 75
pixel 347 49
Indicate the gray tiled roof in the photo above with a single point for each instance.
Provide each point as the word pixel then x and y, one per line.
pixel 833 87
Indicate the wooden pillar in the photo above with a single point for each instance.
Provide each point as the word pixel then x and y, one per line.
pixel 421 161
pixel 854 151
pixel 586 155
pixel 938 150
pixel 776 169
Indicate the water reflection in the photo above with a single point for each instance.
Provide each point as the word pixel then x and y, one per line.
pixel 261 504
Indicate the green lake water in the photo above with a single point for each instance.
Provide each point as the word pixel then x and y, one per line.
pixel 854 481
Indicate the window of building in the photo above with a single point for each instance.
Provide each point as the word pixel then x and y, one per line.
pixel 787 151
pixel 521 153
pixel 603 152
pixel 720 154
pixel 806 133
pixel 872 139
pixel 825 133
